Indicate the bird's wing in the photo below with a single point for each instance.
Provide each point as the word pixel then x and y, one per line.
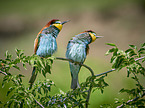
pixel 87 49
pixel 36 43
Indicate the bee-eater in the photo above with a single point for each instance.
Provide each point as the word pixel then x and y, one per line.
pixel 45 43
pixel 77 50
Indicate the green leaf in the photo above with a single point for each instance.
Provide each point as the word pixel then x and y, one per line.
pixel 5 79
pixel 24 65
pixel 47 69
pixel 111 44
pixel 102 91
pixel 20 75
pixel 10 90
pixel 21 55
pixel 18 52
pixel 113 58
pixel 15 66
pixel 141 51
pixel 39 90
pixel 7 55
pixel 33 92
pixel 122 90
pixel 40 63
pixel 111 50
pixel 115 52
pixel 143 45
pixel 133 46
pixel 129 50
pixel 128 71
pixel 44 73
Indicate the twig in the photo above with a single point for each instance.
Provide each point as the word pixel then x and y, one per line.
pixel 139 58
pixel 3 73
pixel 65 59
pixel 90 88
pixel 135 99
pixel 39 104
pixel 88 96
pixel 92 72
pixel 105 72
pixel 115 69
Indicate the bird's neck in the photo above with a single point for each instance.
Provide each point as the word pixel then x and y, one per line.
pixel 55 31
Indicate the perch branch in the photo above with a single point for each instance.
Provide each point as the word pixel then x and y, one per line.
pixel 115 69
pixel 65 59
pixel 139 58
pixel 3 73
pixel 39 104
pixel 88 96
pixel 105 72
pixel 135 99
pixel 90 88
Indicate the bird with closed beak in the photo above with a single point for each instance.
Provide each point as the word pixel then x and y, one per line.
pixel 45 43
pixel 77 50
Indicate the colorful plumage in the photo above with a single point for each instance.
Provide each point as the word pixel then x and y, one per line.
pixel 77 50
pixel 45 43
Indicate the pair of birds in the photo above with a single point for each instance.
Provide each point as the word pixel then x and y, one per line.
pixel 77 49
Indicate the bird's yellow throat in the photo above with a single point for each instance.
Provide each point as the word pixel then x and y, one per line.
pixel 59 26
pixel 93 37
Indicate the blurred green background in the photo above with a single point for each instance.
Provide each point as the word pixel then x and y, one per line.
pixel 120 21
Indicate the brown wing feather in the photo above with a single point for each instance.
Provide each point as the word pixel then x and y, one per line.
pixel 35 45
pixel 87 49
pixel 36 40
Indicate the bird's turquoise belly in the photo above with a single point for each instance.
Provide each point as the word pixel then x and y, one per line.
pixel 77 53
pixel 47 46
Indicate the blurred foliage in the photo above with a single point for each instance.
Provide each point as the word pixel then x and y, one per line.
pixel 20 96
pixel 119 21
pixel 132 59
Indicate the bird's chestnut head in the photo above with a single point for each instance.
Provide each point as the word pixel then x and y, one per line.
pixel 57 23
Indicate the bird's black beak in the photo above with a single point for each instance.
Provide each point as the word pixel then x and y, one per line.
pixel 65 22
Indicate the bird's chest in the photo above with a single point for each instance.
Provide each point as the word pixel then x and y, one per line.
pixel 55 32
pixel 46 41
pixel 77 52
pixel 47 46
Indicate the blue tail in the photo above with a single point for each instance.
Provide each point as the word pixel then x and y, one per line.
pixel 74 69
pixel 33 77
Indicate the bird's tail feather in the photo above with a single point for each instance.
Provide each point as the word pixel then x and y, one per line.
pixel 74 83
pixel 74 68
pixel 33 77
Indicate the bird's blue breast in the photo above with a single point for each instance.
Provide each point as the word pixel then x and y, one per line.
pixel 76 52
pixel 47 46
